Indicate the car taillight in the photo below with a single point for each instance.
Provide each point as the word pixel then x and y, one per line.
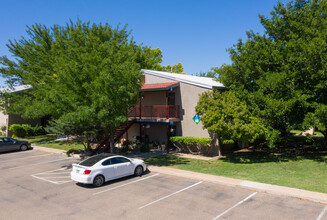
pixel 87 172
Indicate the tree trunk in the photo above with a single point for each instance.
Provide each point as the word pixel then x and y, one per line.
pixel 219 145
pixel 112 140
pixel 325 135
pixel 87 142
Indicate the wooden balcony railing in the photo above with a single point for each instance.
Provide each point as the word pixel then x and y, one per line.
pixel 154 111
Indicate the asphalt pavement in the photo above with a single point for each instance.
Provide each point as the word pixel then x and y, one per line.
pixel 36 185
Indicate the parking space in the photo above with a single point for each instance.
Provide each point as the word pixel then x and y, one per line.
pixel 57 176
pixel 38 185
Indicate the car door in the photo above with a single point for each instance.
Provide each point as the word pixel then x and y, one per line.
pixel 7 145
pixel 2 146
pixel 123 166
pixel 11 144
pixel 14 145
pixel 108 169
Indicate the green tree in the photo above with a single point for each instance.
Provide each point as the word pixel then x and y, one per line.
pixel 230 118
pixel 212 73
pixel 177 68
pixel 83 75
pixel 283 72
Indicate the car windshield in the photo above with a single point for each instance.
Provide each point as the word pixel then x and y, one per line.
pixel 93 160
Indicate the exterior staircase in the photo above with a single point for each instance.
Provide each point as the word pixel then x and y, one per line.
pixel 122 129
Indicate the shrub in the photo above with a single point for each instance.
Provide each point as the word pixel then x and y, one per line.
pixel 17 130
pixel 126 146
pixel 23 130
pixel 38 130
pixel 3 128
pixel 144 149
pixel 194 145
pixel 193 140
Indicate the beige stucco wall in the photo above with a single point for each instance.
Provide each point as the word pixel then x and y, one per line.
pixel 149 79
pixel 186 96
pixel 3 119
pixel 189 96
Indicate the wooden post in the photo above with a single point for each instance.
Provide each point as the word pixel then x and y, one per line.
pixel 140 105
pixel 167 116
pixel 167 141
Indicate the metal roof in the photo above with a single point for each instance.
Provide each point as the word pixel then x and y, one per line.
pixel 15 89
pixel 204 82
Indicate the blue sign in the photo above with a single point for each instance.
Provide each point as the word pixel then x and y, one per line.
pixel 196 119
pixel 171 89
pixel 171 123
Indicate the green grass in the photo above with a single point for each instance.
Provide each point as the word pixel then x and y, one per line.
pixel 299 132
pixel 37 139
pixel 307 171
pixel 63 145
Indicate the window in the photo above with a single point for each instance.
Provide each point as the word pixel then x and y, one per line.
pixel 118 160
pixel 106 162
pixel 93 160
pixel 8 140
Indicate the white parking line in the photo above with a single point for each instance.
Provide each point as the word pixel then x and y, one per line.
pixel 322 213
pixel 51 179
pixel 44 179
pixel 237 204
pixel 38 163
pixel 125 184
pixel 42 155
pixel 45 173
pixel 165 197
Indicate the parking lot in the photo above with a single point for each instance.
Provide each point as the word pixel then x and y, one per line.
pixel 37 185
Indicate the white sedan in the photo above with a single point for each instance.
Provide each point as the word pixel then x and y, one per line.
pixel 98 169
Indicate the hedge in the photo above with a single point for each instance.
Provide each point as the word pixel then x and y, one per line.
pixel 26 130
pixel 194 145
pixel 191 140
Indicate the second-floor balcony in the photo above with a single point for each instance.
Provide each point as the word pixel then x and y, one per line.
pixel 154 112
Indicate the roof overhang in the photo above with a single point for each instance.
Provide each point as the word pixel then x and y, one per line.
pixel 203 82
pixel 159 87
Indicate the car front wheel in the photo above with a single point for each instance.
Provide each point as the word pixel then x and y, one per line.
pixel 138 171
pixel 23 147
pixel 98 181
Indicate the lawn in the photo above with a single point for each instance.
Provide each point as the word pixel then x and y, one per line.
pixel 63 145
pixel 36 139
pixel 73 145
pixel 293 169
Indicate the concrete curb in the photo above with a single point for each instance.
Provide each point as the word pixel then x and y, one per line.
pixel 50 150
pixel 260 187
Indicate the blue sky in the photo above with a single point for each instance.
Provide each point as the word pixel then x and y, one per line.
pixel 195 33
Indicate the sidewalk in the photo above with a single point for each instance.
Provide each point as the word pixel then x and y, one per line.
pixel 50 150
pixel 260 187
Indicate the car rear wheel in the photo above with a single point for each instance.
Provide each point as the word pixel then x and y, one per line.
pixel 138 171
pixel 23 147
pixel 98 181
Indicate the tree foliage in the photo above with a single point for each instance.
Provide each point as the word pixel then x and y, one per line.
pixel 85 76
pixel 282 74
pixel 230 118
pixel 210 74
